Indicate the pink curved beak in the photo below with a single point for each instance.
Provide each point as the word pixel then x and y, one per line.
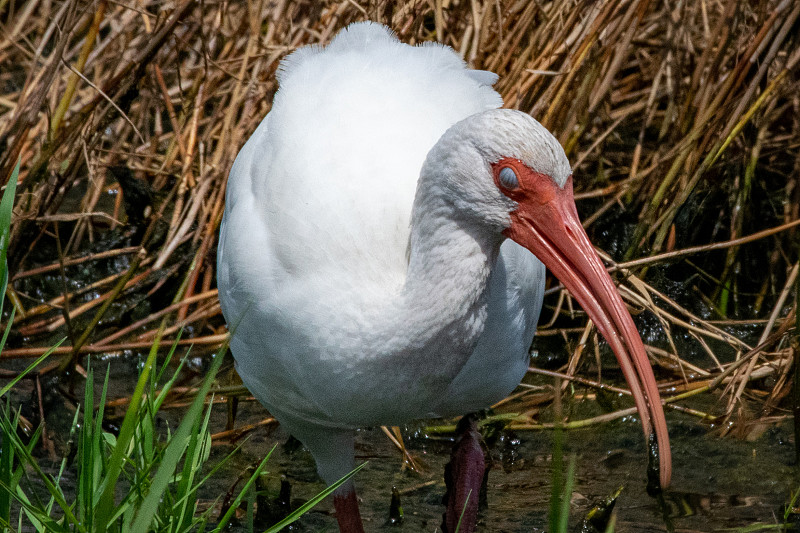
pixel 546 223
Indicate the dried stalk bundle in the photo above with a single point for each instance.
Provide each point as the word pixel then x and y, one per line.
pixel 682 123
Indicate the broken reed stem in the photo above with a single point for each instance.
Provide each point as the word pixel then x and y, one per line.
pixel 745 375
pixel 72 82
pixel 75 261
pixel 150 318
pixel 667 256
pixel 210 341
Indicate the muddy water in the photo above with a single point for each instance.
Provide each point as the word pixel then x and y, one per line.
pixel 717 483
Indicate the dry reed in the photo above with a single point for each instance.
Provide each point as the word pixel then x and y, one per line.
pixel 681 120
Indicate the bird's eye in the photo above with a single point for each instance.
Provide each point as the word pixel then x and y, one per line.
pixel 508 178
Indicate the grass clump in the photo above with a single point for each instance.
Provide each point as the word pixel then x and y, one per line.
pixel 138 480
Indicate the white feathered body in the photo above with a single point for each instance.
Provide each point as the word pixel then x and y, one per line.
pixel 315 240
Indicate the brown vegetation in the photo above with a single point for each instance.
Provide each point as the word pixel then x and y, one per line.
pixel 682 122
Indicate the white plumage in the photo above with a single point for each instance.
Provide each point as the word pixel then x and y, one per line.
pixel 362 266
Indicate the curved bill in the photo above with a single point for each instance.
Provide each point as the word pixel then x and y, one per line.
pixel 546 223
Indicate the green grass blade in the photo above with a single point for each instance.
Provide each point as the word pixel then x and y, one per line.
pixel 612 524
pixel 796 494
pixel 6 206
pixel 758 526
pixel 36 514
pixel 45 355
pixel 196 454
pixel 6 470
pixel 566 496
pixel 175 450
pixel 223 522
pixel 87 454
pixel 8 328
pixel 206 515
pixel 250 518
pixel 28 459
pixel 159 398
pixel 218 466
pixel 169 357
pixel 105 505
pixel 303 509
pixel 98 438
pixel 557 479
pixel 463 510
pixel 63 467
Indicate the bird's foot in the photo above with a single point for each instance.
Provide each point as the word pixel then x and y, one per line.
pixel 465 476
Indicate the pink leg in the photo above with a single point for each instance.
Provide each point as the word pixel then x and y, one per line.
pixel 347 513
pixel 464 475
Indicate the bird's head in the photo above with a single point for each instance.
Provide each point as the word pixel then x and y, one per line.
pixel 503 170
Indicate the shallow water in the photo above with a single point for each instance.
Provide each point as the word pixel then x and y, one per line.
pixel 717 482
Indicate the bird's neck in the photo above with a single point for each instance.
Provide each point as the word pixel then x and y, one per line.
pixel 449 265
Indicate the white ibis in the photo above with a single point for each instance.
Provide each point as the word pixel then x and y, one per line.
pixel 375 256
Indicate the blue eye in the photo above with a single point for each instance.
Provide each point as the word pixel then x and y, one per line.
pixel 508 178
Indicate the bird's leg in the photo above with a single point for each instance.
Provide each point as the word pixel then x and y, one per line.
pixel 464 476
pixel 347 514
pixel 335 456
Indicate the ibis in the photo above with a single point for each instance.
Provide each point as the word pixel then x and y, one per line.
pixel 383 248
